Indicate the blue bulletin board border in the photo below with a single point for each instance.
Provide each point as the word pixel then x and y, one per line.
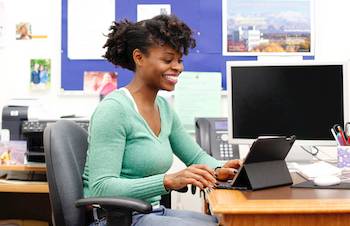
pixel 203 16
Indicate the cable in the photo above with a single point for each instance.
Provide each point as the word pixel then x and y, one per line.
pixel 314 154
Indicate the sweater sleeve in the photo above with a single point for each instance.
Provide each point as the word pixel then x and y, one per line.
pixel 185 147
pixel 107 138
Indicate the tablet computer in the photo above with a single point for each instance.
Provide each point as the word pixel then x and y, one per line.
pixel 264 165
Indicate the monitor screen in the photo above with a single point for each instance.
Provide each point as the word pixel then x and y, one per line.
pixel 303 99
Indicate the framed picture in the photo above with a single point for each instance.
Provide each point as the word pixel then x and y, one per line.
pixel 23 31
pixel 268 27
pixel 13 152
pixel 40 74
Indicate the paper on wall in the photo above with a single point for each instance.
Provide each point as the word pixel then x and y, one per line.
pixel 197 94
pixel 147 11
pixel 88 21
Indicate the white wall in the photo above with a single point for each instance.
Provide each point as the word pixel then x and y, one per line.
pixel 331 44
pixel 332 34
pixel 15 59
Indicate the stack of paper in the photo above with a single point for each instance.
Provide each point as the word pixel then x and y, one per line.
pixel 318 169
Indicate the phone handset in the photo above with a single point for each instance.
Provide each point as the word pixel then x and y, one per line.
pixel 203 134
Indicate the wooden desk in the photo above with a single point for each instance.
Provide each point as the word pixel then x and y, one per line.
pixel 31 167
pixel 23 186
pixel 282 206
pixel 24 199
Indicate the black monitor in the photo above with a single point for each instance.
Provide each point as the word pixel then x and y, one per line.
pixel 303 99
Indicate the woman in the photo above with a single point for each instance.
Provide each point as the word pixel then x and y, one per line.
pixel 134 133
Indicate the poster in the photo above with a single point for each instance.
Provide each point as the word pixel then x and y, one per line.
pixel 267 27
pixel 100 82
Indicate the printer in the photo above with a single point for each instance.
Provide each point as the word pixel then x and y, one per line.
pixel 27 122
pixel 33 131
pixel 12 118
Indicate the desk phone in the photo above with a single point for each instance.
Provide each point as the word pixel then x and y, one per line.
pixel 212 136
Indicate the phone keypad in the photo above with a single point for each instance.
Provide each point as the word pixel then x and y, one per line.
pixel 226 150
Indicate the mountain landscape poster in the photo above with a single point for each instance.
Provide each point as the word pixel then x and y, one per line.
pixel 267 27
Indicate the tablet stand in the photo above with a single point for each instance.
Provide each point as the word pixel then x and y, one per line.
pixel 259 175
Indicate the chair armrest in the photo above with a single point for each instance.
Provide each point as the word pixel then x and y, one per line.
pixel 111 203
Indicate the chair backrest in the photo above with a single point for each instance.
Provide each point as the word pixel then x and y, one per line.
pixel 65 145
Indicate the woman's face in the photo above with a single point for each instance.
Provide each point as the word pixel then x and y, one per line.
pixel 161 67
pixel 23 30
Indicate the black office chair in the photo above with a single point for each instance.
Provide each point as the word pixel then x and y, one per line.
pixel 65 145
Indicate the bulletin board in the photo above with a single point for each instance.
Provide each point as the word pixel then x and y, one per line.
pixel 203 16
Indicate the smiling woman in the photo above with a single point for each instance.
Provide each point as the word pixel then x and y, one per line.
pixel 134 133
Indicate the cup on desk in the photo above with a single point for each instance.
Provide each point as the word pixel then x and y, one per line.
pixel 343 153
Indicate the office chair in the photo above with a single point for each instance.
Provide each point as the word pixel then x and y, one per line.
pixel 65 145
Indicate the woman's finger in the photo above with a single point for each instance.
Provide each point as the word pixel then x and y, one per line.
pixel 200 178
pixel 204 173
pixel 226 173
pixel 195 182
pixel 204 167
pixel 235 163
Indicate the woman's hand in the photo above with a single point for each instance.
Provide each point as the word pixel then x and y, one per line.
pixel 228 170
pixel 199 175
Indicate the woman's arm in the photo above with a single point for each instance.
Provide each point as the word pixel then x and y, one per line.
pixel 185 147
pixel 190 153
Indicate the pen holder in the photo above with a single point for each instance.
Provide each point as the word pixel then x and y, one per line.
pixel 343 153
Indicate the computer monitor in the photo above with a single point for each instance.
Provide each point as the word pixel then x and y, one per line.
pixel 304 99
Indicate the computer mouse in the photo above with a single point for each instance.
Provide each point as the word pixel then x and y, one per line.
pixel 327 180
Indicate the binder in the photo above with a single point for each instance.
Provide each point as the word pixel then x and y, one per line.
pixel 264 165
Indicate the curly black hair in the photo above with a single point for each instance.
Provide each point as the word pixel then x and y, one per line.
pixel 126 36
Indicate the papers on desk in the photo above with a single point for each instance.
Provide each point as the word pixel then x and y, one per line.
pixel 311 171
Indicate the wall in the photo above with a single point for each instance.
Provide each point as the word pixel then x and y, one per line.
pixel 15 79
pixel 332 43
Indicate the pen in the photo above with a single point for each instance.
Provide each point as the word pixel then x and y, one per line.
pixel 342 135
pixel 340 140
pixel 335 136
pixel 347 131
pixel 335 127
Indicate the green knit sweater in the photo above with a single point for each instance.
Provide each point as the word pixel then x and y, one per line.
pixel 125 157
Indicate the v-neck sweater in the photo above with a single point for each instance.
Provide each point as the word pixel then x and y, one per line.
pixel 125 157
